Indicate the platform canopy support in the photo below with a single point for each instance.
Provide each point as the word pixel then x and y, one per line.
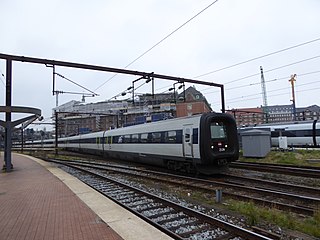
pixel 9 125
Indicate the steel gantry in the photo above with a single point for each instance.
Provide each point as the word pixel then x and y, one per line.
pixel 11 58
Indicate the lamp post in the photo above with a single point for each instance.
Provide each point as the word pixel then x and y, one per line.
pixel 149 79
pixel 174 91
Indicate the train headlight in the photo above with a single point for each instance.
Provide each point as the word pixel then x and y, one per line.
pixel 226 146
pixel 212 147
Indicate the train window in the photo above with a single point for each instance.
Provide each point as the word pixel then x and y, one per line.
pixel 304 133
pixel 289 133
pixel 218 130
pixel 126 139
pixel 171 137
pixel 156 137
pixel 195 136
pixel 179 136
pixel 134 138
pixel 116 139
pixel 144 137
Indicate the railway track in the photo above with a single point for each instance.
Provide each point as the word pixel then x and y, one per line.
pixel 310 172
pixel 286 197
pixel 272 185
pixel 175 220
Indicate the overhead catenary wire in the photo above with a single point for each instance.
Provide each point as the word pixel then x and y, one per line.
pixel 256 58
pixel 247 97
pixel 60 75
pixel 275 90
pixel 159 42
pixel 277 68
pixel 305 90
pixel 266 71
pixel 274 95
pixel 258 83
pixel 126 91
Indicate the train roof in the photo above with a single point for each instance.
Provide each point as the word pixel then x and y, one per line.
pixel 285 126
pixel 281 124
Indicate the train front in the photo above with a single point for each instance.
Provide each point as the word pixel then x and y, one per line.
pixel 218 142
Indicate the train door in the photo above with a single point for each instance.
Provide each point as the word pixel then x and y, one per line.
pixel 187 141
pixel 109 142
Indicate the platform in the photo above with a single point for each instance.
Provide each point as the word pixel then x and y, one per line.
pixel 40 201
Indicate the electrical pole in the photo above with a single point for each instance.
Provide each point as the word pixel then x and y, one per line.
pixel 8 126
pixel 292 80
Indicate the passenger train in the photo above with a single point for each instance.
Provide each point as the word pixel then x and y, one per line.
pixel 205 143
pixel 298 134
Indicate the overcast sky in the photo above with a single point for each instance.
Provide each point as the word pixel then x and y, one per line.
pixel 113 33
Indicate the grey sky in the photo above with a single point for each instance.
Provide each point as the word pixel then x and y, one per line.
pixel 113 33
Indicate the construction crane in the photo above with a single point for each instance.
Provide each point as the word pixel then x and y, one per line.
pixel 292 80
pixel 264 94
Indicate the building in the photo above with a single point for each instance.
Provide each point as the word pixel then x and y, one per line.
pixel 308 113
pixel 279 113
pixel 248 116
pixel 284 113
pixel 77 117
pixel 191 102
pixel 274 114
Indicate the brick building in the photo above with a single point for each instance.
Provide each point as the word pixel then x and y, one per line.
pixel 308 113
pixel 194 103
pixel 248 116
pixel 274 114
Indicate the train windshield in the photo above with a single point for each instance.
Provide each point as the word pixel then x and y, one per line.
pixel 218 130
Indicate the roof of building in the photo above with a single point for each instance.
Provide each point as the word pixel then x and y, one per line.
pixel 193 95
pixel 312 108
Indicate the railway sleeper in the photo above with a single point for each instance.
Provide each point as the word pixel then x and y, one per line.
pixel 140 203
pixel 128 200
pixel 182 226
pixel 185 166
pixel 167 217
pixel 151 208
pixel 172 211
pixel 161 222
pixel 127 194
pixel 202 228
pixel 188 228
pixel 145 207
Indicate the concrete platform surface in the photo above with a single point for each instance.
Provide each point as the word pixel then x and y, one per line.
pixel 40 201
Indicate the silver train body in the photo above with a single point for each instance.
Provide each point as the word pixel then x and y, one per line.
pixel 299 134
pixel 205 142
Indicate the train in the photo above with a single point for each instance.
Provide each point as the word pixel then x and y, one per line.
pixel 205 143
pixel 304 134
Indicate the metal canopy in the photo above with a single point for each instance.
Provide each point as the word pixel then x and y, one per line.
pixel 9 125
pixel 6 109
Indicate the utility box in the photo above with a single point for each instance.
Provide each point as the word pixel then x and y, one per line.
pixel 283 142
pixel 256 143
